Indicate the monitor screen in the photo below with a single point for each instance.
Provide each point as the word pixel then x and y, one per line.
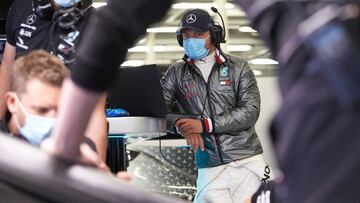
pixel 138 91
pixel 2 47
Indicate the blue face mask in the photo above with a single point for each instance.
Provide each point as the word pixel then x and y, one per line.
pixel 66 3
pixel 36 128
pixel 195 48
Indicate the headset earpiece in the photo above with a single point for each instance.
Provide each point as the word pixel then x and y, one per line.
pixel 179 38
pixel 67 19
pixel 219 35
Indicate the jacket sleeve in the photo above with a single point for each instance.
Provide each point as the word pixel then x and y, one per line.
pixel 168 84
pixel 109 34
pixel 247 110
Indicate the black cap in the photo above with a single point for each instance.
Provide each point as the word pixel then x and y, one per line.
pixel 196 19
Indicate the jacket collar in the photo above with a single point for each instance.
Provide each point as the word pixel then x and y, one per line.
pixel 220 58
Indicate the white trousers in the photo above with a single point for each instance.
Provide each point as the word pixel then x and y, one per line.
pixel 233 182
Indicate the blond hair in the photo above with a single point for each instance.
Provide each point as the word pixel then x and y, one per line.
pixel 39 65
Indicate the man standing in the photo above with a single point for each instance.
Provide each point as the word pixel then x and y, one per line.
pixel 223 90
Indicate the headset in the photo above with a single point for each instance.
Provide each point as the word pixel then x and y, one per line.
pixel 217 32
pixel 45 9
pixel 64 19
pixel 68 18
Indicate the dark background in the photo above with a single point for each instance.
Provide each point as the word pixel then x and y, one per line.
pixel 4 6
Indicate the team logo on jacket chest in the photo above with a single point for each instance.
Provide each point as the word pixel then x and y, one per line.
pixel 31 19
pixel 224 72
pixel 224 76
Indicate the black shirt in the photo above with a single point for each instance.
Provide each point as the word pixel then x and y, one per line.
pixel 28 31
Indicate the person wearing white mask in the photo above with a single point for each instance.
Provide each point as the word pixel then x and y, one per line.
pixel 57 27
pixel 34 96
pixel 32 103
pixel 37 80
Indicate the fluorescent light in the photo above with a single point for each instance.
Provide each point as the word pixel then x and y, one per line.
pixel 162 29
pixel 246 29
pixel 263 61
pixel 257 72
pixel 133 63
pixel 139 49
pixel 239 47
pixel 143 40
pixel 98 4
pixel 175 48
pixel 157 48
pixel 199 5
pixel 163 61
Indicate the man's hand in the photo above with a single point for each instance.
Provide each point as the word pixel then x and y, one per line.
pixel 124 176
pixel 87 156
pixel 191 129
pixel 188 126
pixel 195 141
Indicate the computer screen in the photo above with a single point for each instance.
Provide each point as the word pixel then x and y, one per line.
pixel 138 91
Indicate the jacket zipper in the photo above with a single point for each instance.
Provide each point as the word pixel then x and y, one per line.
pixel 210 109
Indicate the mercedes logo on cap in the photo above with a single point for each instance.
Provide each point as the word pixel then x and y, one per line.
pixel 191 18
pixel 31 19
